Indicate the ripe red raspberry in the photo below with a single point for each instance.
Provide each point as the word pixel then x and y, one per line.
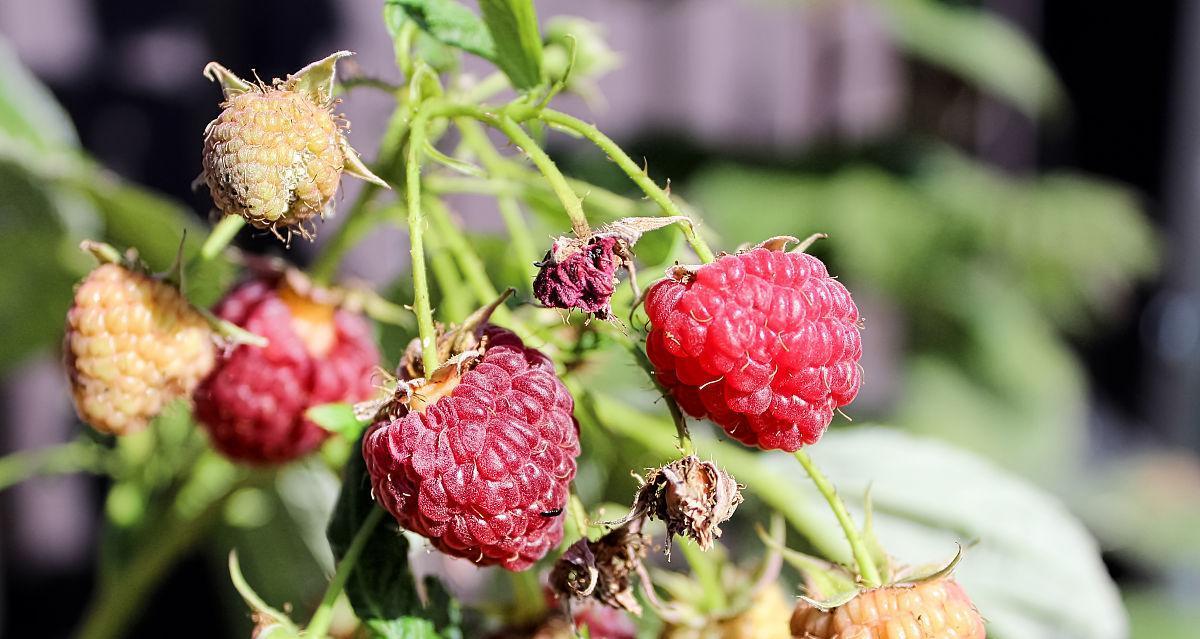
pixel 764 343
pixel 582 276
pixel 133 343
pixel 480 463
pixel 253 404
pixel 937 609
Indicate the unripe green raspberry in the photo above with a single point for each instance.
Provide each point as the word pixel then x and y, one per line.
pixel 133 344
pixel 275 154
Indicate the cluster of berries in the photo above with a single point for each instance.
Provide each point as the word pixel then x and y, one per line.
pixel 479 454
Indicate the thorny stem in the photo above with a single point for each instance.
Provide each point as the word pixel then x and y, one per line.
pixel 318 626
pixel 570 200
pixel 416 231
pixel 867 569
pixel 635 173
pixel 681 428
pixel 220 236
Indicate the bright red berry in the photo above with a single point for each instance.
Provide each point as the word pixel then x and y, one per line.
pixel 253 403
pixel 764 343
pixel 480 462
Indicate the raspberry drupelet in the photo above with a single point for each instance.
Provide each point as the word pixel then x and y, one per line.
pixel 764 343
pixel 480 462
pixel 253 403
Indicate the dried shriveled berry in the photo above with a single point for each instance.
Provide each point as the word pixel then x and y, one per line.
pixel 936 609
pixel 603 569
pixel 764 343
pixel 133 343
pixel 692 496
pixel 580 276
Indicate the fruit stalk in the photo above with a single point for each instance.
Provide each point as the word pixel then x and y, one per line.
pixel 220 236
pixel 318 626
pixel 635 173
pixel 416 231
pixel 867 569
pixel 557 180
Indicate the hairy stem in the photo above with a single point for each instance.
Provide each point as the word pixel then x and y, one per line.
pixel 686 447
pixel 220 236
pixel 635 173
pixel 562 188
pixel 416 233
pixel 318 626
pixel 867 569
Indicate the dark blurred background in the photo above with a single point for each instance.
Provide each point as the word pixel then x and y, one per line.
pixel 746 104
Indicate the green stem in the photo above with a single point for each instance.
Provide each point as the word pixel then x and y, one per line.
pixel 318 626
pixel 707 575
pixel 570 200
pixel 867 569
pixel 76 456
pixel 221 235
pixel 416 233
pixel 518 231
pixel 470 265
pixel 122 597
pixel 635 173
pixel 454 305
pixel 686 447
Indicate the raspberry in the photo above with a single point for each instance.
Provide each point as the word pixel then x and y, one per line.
pixel 582 277
pixel 276 153
pixel 481 463
pixel 764 343
pixel 133 343
pixel 253 403
pixel 937 609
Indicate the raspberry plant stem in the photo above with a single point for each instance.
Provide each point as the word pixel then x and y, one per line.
pixel 220 236
pixel 867 570
pixel 681 429
pixel 318 626
pixel 470 265
pixel 635 173
pixel 570 200
pixel 416 230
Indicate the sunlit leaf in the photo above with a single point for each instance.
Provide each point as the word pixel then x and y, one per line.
pixel 514 28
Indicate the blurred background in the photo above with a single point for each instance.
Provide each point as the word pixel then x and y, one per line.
pixel 1010 185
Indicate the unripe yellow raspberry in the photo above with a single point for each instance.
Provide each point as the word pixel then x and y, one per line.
pixel 936 609
pixel 133 344
pixel 274 157
pixel 276 153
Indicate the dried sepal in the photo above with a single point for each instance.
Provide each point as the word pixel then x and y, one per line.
pixel 691 496
pixel 604 569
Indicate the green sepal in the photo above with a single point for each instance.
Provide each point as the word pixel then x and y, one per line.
pixel 317 79
pixel 231 84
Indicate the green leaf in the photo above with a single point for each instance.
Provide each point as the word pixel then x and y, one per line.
pixel 381 587
pixel 28 111
pixel 981 48
pixel 337 418
pixel 38 264
pixel 447 21
pixel 514 28
pixel 1034 573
